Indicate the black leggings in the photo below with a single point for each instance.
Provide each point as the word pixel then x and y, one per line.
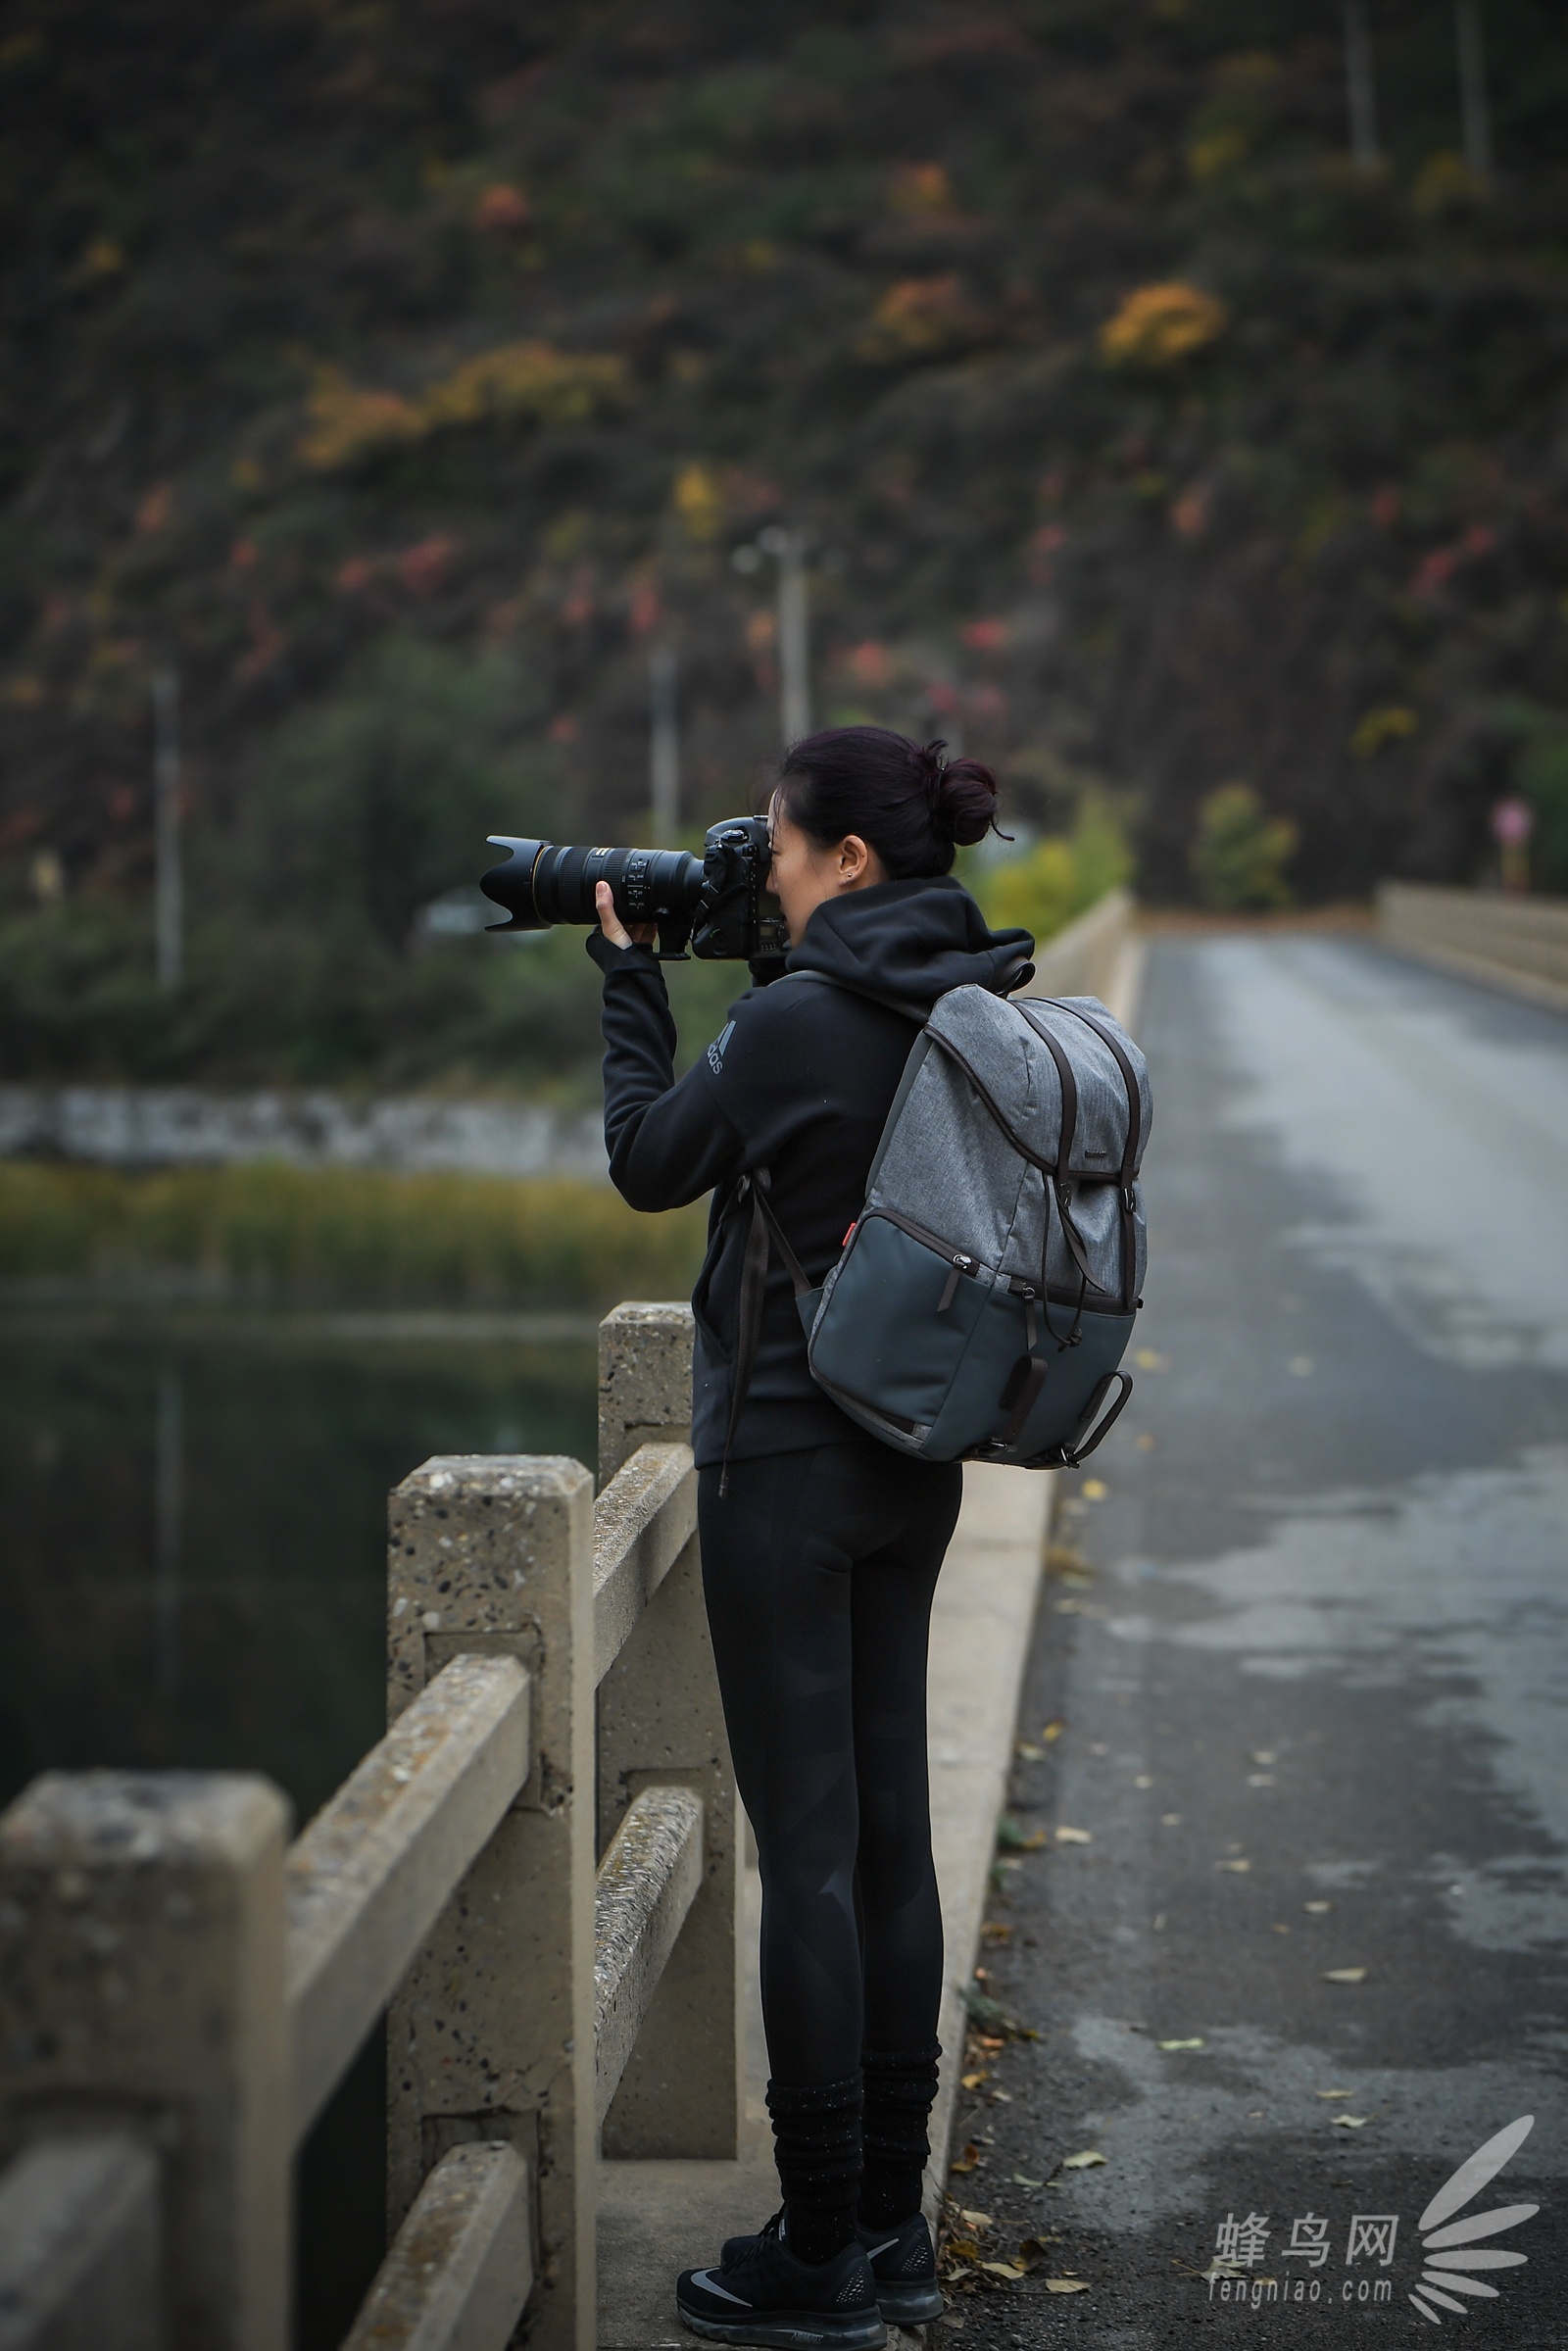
pixel 818 1569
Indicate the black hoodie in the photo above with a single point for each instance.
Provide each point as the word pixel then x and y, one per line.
pixel 798 1080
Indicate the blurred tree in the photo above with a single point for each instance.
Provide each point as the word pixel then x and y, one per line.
pixel 1241 851
pixel 1542 775
pixel 1056 878
pixel 377 802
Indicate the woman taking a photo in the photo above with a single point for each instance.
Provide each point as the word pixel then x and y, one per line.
pixel 821 1547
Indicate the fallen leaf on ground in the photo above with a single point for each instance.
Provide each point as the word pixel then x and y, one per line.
pixel 968 2161
pixel 1013 1838
pixel 1143 1781
pixel 1050 1731
pixel 1085 2162
pixel 1066 2286
pixel 1146 1361
pixel 963 2248
pixel 1318 1909
pixel 1240 1868
pixel 1182 2044
pixel 1351 2122
pixel 1265 1755
pixel 1334 2093
pixel 1073 1836
pixel 1019 2181
pixel 1001 2269
pixel 1170 1819
pixel 1062 1560
pixel 975 2220
pixel 1029 1754
pixel 1094 1490
pixel 973 2080
pixel 990 2014
pixel 1260 1779
pixel 1344 1975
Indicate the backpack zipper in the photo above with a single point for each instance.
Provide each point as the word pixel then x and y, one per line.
pixel 960 1261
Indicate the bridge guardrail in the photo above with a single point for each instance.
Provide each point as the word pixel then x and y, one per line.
pixel 1514 943
pixel 181 1992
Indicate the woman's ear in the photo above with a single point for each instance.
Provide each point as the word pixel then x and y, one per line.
pixel 854 856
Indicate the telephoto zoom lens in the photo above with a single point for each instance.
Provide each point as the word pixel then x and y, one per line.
pixel 541 885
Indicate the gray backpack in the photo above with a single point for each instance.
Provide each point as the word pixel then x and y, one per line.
pixel 986 1292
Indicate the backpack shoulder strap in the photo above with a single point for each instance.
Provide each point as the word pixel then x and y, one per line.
pixel 764 1229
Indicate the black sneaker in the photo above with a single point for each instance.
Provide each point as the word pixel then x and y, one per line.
pixel 904 2266
pixel 904 2270
pixel 760 2294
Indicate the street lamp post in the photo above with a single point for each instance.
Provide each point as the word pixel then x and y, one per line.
pixel 788 548
pixel 170 882
pixel 1361 85
pixel 663 745
pixel 1475 110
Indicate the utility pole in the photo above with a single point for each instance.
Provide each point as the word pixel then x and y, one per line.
pixel 1359 87
pixel 170 1522
pixel 1473 106
pixel 664 746
pixel 789 548
pixel 170 886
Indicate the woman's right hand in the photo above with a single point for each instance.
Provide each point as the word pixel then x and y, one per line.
pixel 642 934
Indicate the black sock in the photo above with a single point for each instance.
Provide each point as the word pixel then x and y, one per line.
pixel 900 2088
pixel 816 2141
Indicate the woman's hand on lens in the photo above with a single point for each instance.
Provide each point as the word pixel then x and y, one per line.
pixel 642 934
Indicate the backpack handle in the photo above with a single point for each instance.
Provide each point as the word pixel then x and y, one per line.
pixel 1088 1434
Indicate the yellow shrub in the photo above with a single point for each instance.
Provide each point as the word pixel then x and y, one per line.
pixel 917 316
pixel 1060 877
pixel 528 379
pixel 1390 724
pixel 1159 326
pixel 531 382
pixel 347 422
pixel 700 501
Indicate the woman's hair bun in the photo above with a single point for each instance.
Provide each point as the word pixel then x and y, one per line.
pixel 909 799
pixel 964 795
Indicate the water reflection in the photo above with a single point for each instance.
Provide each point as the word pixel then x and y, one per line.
pixel 194 1573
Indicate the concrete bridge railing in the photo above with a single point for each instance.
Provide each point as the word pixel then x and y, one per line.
pixel 535 1877
pixel 1517 944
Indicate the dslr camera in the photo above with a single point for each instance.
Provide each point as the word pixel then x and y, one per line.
pixel 714 906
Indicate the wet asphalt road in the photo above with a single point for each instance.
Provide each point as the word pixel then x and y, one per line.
pixel 1312 1677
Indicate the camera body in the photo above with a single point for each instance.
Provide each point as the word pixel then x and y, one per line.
pixel 714 907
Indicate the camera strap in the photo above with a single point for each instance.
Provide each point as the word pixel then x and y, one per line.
pixel 754 1185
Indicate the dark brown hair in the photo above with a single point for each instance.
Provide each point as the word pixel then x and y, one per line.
pixel 912 803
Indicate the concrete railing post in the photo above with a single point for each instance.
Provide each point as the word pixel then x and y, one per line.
pixel 661 1724
pixel 141 1984
pixel 491 2037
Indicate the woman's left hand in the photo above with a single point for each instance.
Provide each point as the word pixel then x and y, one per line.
pixel 642 934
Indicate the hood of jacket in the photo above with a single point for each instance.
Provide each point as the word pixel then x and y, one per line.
pixel 905 942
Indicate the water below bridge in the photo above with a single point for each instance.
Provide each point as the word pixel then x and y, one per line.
pixel 195 1574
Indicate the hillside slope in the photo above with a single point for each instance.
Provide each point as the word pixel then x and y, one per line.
pixel 403 372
